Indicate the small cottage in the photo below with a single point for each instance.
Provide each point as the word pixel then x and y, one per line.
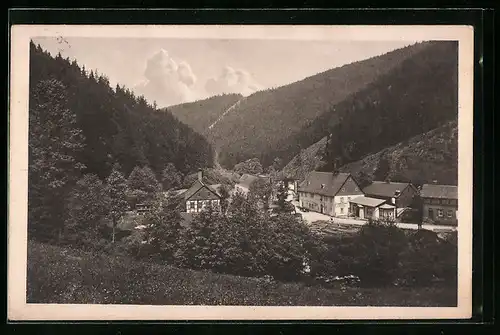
pixel 440 203
pixel 200 195
pixel 400 195
pixel 372 208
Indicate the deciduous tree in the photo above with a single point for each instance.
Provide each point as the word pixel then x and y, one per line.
pixel 116 190
pixel 144 179
pixel 171 178
pixel 88 208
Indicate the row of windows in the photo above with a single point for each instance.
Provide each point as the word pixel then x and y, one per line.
pixel 342 199
pixel 311 195
pixel 201 203
pixel 440 201
pixel 440 213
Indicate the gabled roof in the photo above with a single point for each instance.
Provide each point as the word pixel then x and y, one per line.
pixel 323 183
pixel 439 191
pixel 247 179
pixel 174 193
pixel 197 185
pixel 387 206
pixel 384 188
pixel 367 201
pixel 216 188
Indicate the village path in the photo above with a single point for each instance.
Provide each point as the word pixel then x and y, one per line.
pixel 311 217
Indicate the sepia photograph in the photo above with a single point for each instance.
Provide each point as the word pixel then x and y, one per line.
pixel 240 172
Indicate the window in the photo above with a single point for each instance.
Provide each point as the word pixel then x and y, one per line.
pixel 444 201
pixel 341 211
pixel 440 213
pixel 450 214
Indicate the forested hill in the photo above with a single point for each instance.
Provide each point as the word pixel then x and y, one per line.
pixel 200 115
pixel 387 90
pixel 428 157
pixel 419 95
pixel 118 126
pixel 262 122
pixel 421 159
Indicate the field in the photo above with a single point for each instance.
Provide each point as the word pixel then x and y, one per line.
pixel 62 275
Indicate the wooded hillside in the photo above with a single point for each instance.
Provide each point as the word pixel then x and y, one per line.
pixel 117 125
pixel 416 97
pixel 199 115
pixel 278 122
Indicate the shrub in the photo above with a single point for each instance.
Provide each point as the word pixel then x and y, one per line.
pixel 428 259
pixel 62 275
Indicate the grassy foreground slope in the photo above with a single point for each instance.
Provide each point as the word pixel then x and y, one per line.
pixel 61 275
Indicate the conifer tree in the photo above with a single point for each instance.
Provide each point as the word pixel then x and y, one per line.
pixel 54 142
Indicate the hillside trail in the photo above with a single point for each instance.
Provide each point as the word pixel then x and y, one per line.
pixel 229 109
pixel 216 156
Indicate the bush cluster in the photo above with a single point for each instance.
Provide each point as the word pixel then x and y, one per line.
pixel 244 240
pixel 65 275
pixel 381 254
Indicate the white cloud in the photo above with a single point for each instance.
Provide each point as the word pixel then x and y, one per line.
pixel 167 82
pixel 232 81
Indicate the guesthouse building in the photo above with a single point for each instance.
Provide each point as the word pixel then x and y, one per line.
pixel 328 193
pixel 440 203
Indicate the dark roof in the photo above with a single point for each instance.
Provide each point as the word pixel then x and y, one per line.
pixel 197 185
pixel 439 191
pixel 216 188
pixel 247 179
pixel 367 201
pixel 331 183
pixel 174 193
pixel 384 189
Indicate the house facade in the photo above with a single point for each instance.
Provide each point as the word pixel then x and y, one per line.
pixel 200 195
pixel 439 203
pixel 400 195
pixel 372 208
pixel 328 193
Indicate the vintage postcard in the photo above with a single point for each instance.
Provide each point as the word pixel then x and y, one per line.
pixel 240 172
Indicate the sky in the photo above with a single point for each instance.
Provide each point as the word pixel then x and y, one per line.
pixel 172 71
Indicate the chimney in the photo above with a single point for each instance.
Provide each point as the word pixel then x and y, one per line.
pixel 200 175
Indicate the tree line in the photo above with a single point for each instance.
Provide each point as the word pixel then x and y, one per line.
pixel 117 125
pixel 83 132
